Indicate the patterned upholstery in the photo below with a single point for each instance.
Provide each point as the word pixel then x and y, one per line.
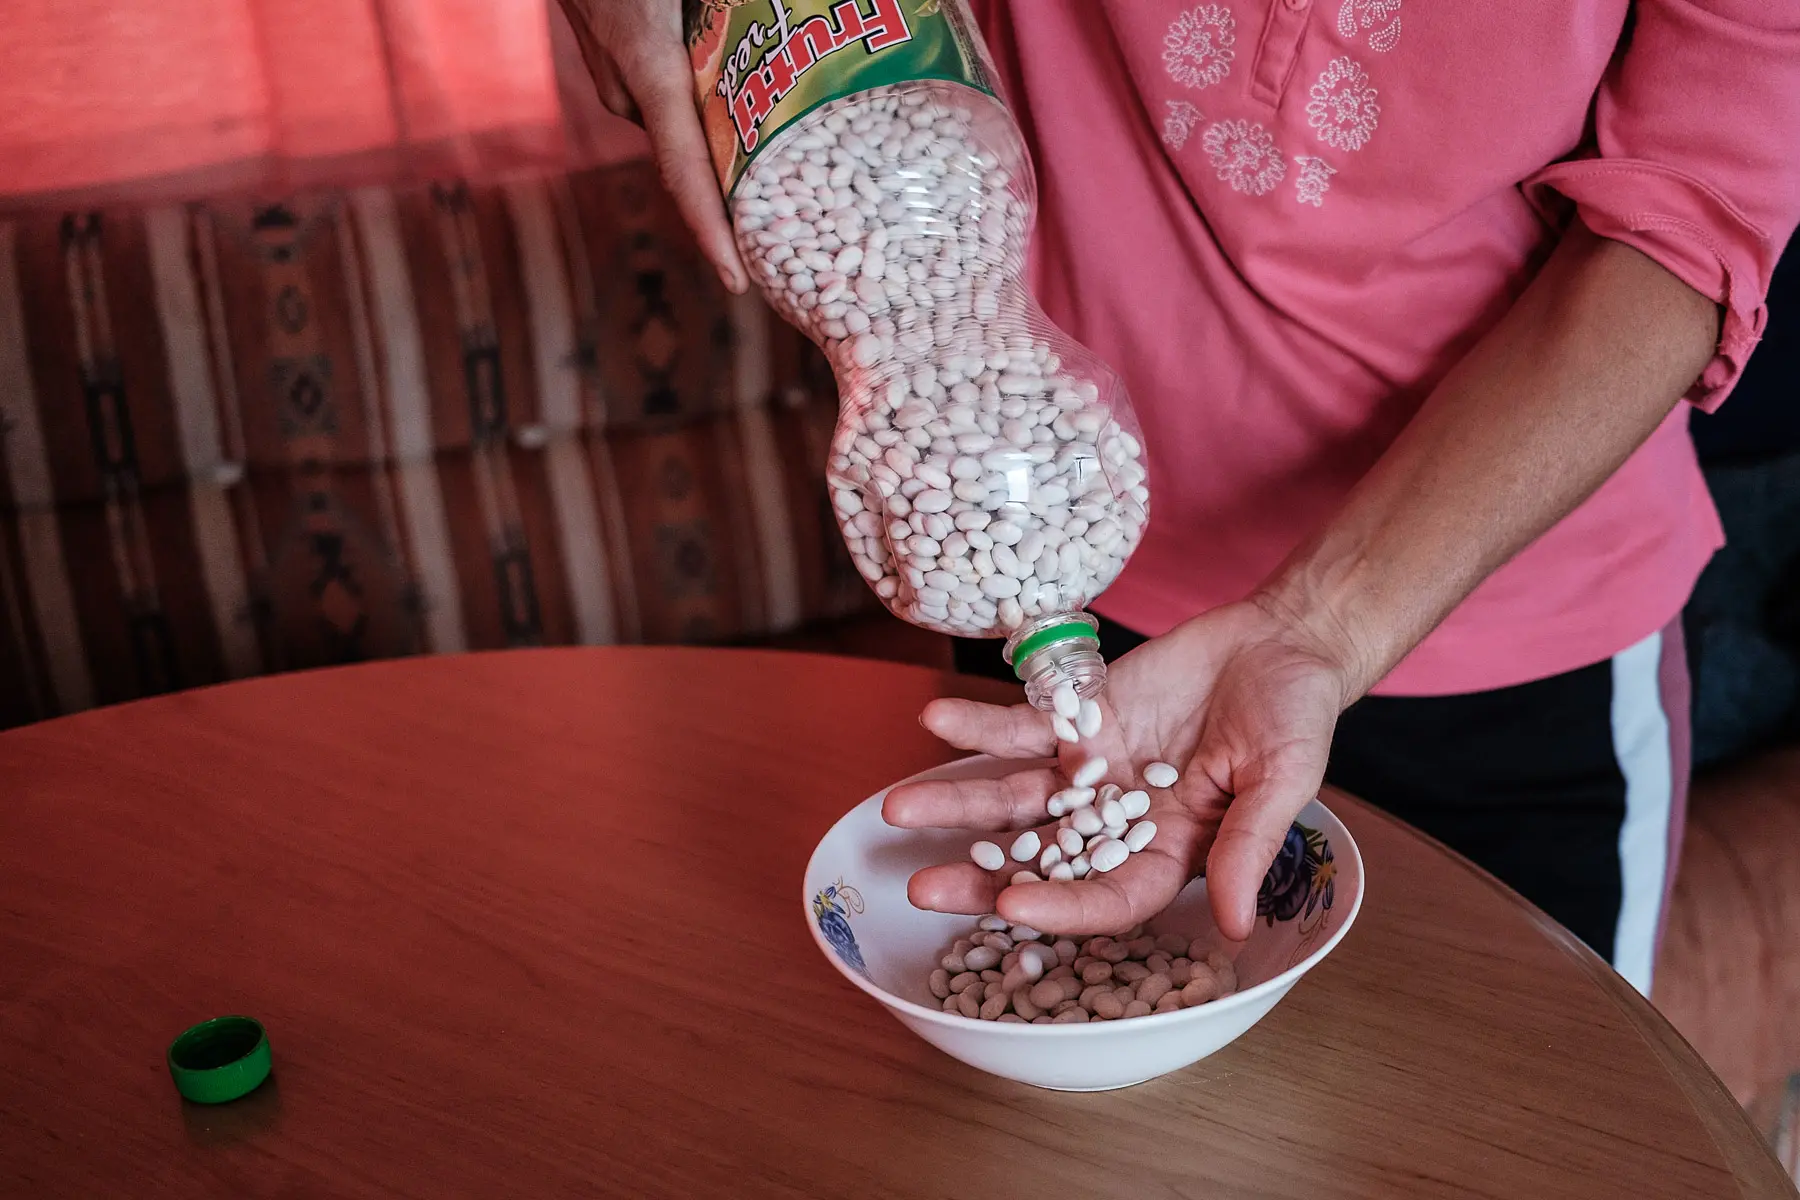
pixel 239 439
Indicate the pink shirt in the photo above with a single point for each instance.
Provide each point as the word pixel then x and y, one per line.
pixel 1282 222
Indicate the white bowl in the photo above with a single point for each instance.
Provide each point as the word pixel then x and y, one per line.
pixel 857 909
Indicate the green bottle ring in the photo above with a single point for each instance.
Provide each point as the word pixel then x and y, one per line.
pixel 220 1060
pixel 1064 631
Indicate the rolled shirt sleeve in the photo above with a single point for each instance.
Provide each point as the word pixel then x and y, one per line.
pixel 1696 157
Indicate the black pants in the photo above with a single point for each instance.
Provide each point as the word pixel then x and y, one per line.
pixel 1569 789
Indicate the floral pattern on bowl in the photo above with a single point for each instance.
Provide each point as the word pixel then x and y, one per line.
pixel 832 907
pixel 1301 884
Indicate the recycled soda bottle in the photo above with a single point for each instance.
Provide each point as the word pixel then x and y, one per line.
pixel 987 470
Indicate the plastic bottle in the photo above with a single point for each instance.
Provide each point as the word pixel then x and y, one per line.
pixel 987 470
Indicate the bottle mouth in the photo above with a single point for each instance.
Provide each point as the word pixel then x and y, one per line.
pixel 1061 631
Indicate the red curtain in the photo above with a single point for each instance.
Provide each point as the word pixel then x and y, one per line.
pixel 107 100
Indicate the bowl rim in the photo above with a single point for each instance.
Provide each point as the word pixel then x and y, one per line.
pixel 1274 986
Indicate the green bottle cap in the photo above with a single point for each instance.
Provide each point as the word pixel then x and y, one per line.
pixel 220 1060
pixel 1060 632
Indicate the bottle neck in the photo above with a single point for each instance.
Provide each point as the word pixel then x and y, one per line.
pixel 1057 649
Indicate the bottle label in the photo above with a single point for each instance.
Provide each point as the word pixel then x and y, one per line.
pixel 761 65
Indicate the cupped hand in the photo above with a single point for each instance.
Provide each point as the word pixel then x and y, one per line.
pixel 1240 700
pixel 635 51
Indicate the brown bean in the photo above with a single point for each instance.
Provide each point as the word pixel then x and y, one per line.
pixel 981 958
pixel 1066 950
pixel 1158 963
pixel 940 983
pixel 1047 994
pixel 968 1005
pixel 1130 972
pixel 1071 987
pixel 1115 953
pixel 1169 1003
pixel 1137 1008
pixel 1226 970
pixel 1063 971
pixel 1013 1018
pixel 1075 1016
pixel 1083 962
pixel 953 963
pixel 1094 945
pixel 1141 948
pixel 1064 1007
pixel 1107 1007
pixel 1180 971
pixel 1044 1021
pixel 1154 988
pixel 994 1005
pixel 967 979
pixel 1201 988
pixel 1021 1004
pixel 1097 973
pixel 1010 961
pixel 1091 994
pixel 962 947
pixel 1197 949
pixel 949 1005
pixel 1172 944
pixel 991 976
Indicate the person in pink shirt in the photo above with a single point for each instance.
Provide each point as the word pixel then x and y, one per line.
pixel 1409 299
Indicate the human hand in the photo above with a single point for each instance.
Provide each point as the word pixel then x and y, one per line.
pixel 1240 699
pixel 635 51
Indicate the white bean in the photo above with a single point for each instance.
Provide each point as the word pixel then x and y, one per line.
pixel 1140 835
pixel 1077 797
pixel 987 856
pixel 1109 855
pixel 1026 877
pixel 1025 846
pixel 1135 803
pixel 1089 773
pixel 1067 703
pixel 1064 729
pixel 1161 775
pixel 1088 720
pixel 1085 822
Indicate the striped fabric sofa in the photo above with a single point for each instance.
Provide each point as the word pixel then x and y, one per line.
pixel 238 439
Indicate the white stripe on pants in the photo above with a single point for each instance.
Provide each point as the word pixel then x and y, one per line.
pixel 1645 752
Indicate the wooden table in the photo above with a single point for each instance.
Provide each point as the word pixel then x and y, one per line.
pixel 529 925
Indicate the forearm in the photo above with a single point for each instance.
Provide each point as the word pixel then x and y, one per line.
pixel 1575 377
